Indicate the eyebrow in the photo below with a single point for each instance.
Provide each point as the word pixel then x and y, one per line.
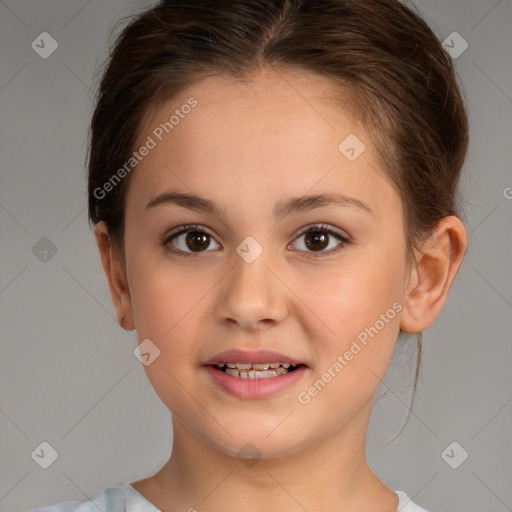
pixel 281 208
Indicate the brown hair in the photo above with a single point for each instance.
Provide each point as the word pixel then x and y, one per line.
pixel 402 83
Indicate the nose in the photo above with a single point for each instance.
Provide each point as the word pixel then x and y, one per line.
pixel 252 295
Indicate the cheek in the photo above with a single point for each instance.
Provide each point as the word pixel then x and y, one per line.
pixel 166 307
pixel 161 293
pixel 355 311
pixel 171 307
pixel 352 298
pixel 363 311
pixel 164 301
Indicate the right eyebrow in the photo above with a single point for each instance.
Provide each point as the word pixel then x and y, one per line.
pixel 190 201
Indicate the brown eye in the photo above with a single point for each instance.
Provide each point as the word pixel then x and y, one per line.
pixel 318 238
pixel 190 239
pixel 197 240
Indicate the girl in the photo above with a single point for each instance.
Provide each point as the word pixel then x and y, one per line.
pixel 273 189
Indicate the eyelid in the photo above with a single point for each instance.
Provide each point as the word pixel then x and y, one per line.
pixel 323 227
pixel 184 228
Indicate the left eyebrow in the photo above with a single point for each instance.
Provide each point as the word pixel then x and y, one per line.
pixel 281 208
pixel 306 203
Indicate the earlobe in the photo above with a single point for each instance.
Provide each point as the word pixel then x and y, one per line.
pixel 114 271
pixel 437 264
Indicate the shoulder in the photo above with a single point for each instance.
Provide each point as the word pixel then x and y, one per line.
pixel 111 499
pixel 405 503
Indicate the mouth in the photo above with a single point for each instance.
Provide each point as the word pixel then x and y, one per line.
pixel 254 374
pixel 255 370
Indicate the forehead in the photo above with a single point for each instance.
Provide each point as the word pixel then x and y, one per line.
pixel 276 105
pixel 277 130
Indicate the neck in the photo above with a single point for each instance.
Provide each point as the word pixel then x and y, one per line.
pixel 331 474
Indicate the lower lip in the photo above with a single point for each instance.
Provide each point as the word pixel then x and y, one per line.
pixel 254 389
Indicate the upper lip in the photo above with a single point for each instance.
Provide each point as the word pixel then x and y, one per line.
pixel 247 356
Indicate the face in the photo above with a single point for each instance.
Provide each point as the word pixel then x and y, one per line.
pixel 318 283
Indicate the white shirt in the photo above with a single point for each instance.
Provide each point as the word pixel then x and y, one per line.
pixel 127 499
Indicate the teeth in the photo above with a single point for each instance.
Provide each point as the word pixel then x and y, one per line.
pixel 254 366
pixel 243 366
pixel 256 370
pixel 252 374
pixel 264 366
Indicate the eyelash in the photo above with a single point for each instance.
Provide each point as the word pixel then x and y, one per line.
pixel 344 241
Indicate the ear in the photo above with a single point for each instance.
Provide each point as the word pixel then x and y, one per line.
pixel 437 263
pixel 114 270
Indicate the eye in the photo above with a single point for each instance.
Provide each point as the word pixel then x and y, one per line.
pixel 317 238
pixel 188 239
pixel 192 239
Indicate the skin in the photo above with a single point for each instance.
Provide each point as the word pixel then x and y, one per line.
pixel 246 146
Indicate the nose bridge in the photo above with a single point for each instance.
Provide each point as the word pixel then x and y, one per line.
pixel 252 293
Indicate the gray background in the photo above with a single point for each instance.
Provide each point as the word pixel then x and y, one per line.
pixel 68 375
